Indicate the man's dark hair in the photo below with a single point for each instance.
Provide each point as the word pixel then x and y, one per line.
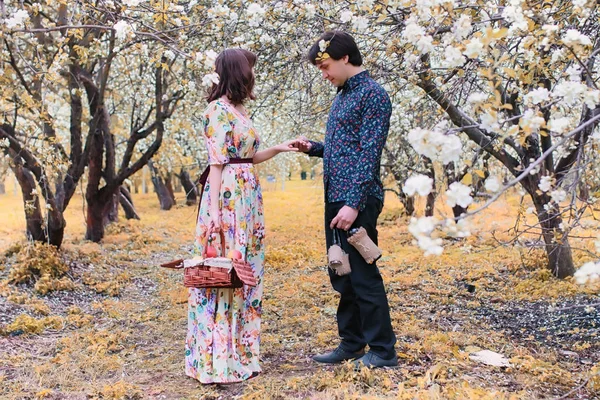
pixel 236 79
pixel 340 44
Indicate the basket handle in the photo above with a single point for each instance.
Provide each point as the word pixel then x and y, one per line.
pixel 209 239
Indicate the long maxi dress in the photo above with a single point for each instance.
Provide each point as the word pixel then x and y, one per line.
pixel 223 337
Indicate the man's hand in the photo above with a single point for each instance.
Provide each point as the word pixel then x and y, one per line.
pixel 302 144
pixel 344 218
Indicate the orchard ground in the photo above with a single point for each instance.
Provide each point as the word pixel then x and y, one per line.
pixel 117 328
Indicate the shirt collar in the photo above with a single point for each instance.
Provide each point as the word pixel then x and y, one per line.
pixel 354 81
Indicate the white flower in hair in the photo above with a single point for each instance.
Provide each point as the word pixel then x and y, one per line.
pixel 323 45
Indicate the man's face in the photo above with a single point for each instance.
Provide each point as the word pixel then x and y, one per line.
pixel 335 71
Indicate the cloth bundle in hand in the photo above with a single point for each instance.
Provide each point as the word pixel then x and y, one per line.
pixel 365 246
pixel 338 259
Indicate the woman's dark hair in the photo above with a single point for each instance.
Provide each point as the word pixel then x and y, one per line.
pixel 340 44
pixel 236 79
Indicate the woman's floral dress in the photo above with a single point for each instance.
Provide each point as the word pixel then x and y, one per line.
pixel 223 336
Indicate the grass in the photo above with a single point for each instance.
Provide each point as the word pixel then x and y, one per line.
pixel 118 333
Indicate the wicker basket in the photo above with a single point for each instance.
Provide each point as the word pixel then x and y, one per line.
pixel 217 272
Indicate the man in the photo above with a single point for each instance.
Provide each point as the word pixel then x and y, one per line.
pixel 357 128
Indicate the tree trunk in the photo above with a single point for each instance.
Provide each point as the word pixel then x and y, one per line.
pixel 112 214
pixel 429 206
pixel 169 185
pixel 558 249
pixel 33 214
pixel 457 210
pixel 408 202
pixel 190 189
pixel 95 219
pixel 127 203
pixel 164 196
pixel 98 209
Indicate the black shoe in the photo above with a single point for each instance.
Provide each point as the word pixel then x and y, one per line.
pixel 337 356
pixel 371 360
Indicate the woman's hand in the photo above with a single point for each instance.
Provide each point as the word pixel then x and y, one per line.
pixel 288 145
pixel 215 221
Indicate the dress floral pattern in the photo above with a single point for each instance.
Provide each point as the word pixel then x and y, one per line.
pixel 223 337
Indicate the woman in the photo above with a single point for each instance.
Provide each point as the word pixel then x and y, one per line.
pixel 223 336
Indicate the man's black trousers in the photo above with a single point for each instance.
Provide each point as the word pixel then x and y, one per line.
pixel 363 314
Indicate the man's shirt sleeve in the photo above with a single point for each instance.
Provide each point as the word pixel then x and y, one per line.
pixel 316 149
pixel 373 133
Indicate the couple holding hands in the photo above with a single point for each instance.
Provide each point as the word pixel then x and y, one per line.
pixel 223 338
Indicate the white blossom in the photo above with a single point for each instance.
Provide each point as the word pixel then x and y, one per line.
pixel 122 30
pixel 558 195
pixel 477 98
pixel 451 149
pixel 492 184
pixel 589 271
pixel 346 16
pixel 514 15
pixel 209 59
pixel 453 57
pixel 132 3
pixel 559 125
pixel 256 14
pixel 425 44
pixel 310 10
pixel 431 246
pixel 435 145
pixel 474 48
pixel 570 92
pixel 489 122
pixel 573 36
pixel 233 17
pixel 545 183
pixel 457 229
pixel 422 226
pixel 413 32
pixel 574 73
pixel 4 142
pixel 458 194
pixel 17 20
pixel 531 121
pixel 360 23
pixel 365 4
pixel 538 95
pixel 591 98
pixel 462 27
pixel 169 55
pixel 421 184
pixel 210 79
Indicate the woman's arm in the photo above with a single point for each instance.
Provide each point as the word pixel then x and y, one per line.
pixel 264 155
pixel 214 179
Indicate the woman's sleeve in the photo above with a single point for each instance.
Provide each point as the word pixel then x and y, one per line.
pixel 217 134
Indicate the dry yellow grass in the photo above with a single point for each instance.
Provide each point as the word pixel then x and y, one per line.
pixel 119 333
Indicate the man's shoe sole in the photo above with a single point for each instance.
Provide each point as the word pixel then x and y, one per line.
pixel 326 361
